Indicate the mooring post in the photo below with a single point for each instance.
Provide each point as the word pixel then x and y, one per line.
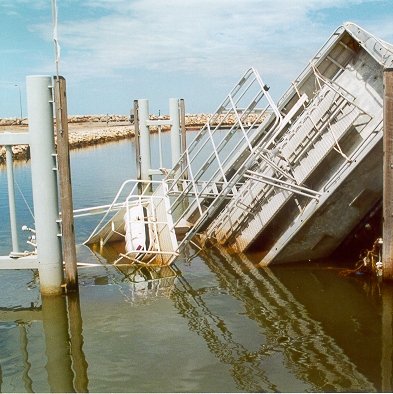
pixel 11 198
pixel 183 137
pixel 387 231
pixel 44 184
pixel 137 142
pixel 65 185
pixel 144 139
pixel 174 115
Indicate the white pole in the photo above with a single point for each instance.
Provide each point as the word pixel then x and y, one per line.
pixel 11 198
pixel 175 130
pixel 44 183
pixel 144 139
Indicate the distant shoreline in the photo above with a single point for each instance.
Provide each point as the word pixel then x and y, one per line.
pixel 90 130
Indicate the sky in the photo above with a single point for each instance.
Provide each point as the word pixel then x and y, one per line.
pixel 115 51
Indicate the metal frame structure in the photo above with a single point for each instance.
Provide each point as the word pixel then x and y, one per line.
pixel 219 176
pixel 331 146
pixel 142 124
pixel 197 186
pixel 273 175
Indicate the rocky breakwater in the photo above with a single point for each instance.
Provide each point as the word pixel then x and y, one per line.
pixel 83 131
pixel 88 130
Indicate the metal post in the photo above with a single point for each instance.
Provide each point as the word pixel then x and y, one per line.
pixel 20 101
pixel 11 199
pixel 183 137
pixel 144 139
pixel 65 186
pixel 44 185
pixel 175 130
pixel 137 142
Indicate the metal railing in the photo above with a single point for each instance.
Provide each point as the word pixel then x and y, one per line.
pixel 215 159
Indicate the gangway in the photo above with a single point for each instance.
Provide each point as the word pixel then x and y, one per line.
pixel 217 159
pixel 333 148
pixel 281 177
pixel 200 183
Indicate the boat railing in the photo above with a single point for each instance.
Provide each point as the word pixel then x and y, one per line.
pixel 160 225
pixel 136 186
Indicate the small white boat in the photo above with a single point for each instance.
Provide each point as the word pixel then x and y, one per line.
pixel 140 231
pixel 138 235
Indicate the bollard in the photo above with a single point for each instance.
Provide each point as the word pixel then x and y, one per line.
pixel 44 183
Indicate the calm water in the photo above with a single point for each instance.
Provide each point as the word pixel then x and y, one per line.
pixel 213 323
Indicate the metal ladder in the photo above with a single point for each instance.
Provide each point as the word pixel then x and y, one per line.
pixel 215 179
pixel 284 165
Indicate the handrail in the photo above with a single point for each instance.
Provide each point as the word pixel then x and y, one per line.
pixel 114 202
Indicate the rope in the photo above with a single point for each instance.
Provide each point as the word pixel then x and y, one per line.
pixel 24 199
pixel 55 37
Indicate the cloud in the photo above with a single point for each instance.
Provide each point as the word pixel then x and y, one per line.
pixel 199 47
pixel 195 37
pixel 202 37
pixel 14 7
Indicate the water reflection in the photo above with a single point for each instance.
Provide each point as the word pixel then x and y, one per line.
pixel 66 365
pixel 79 363
pixel 28 383
pixel 310 353
pixel 246 369
pixel 137 282
pixel 387 339
pixel 274 329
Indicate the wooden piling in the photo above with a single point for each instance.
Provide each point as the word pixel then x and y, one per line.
pixel 63 159
pixel 387 252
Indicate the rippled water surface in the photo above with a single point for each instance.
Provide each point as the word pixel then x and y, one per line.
pixel 212 323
